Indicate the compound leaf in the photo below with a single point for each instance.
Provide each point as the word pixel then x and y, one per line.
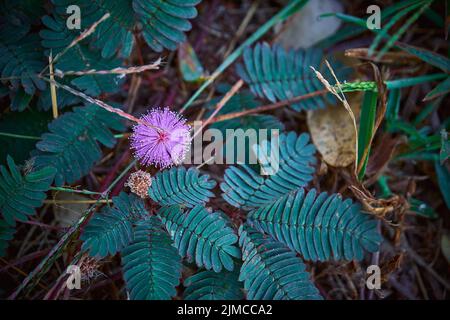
pixel 201 236
pixel 151 265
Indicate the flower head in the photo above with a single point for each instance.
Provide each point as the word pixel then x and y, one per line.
pixel 163 139
pixel 139 182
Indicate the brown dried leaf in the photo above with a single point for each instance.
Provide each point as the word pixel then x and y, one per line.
pixel 333 133
pixel 382 154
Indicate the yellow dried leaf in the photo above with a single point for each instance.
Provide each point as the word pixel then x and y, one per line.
pixel 333 132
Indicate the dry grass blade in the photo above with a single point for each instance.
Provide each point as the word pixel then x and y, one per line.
pixel 53 88
pixel 82 36
pixel 101 104
pixel 341 97
pixel 122 71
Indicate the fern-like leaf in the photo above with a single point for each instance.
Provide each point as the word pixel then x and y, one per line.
pixel 111 230
pixel 209 285
pixel 165 21
pixel 275 74
pixel 271 271
pixel 6 234
pixel 244 188
pixel 114 36
pixel 72 144
pixel 81 58
pixel 246 125
pixel 201 236
pixel 178 186
pixel 151 265
pixel 21 61
pixel 318 226
pixel 20 193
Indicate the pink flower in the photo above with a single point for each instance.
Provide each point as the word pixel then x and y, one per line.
pixel 164 141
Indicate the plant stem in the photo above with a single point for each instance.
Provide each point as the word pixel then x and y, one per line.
pixel 88 192
pixel 18 136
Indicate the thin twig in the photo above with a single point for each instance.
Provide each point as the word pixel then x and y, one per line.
pixel 102 104
pixel 76 201
pixel 80 38
pixel 120 70
pixel 268 107
pixel 220 105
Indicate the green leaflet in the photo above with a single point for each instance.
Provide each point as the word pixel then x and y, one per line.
pixel 72 146
pixel 209 285
pixel 271 271
pixel 201 236
pixel 178 186
pixel 318 226
pixel 151 265
pixel 276 74
pixel 21 194
pixel 19 100
pixel 165 21
pixel 244 188
pixel 111 230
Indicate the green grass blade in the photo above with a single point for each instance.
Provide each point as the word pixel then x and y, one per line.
pixel 439 91
pixel 402 30
pixel 393 104
pixel 384 31
pixel 365 132
pixel 443 177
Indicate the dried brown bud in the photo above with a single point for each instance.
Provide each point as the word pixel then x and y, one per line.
pixel 139 182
